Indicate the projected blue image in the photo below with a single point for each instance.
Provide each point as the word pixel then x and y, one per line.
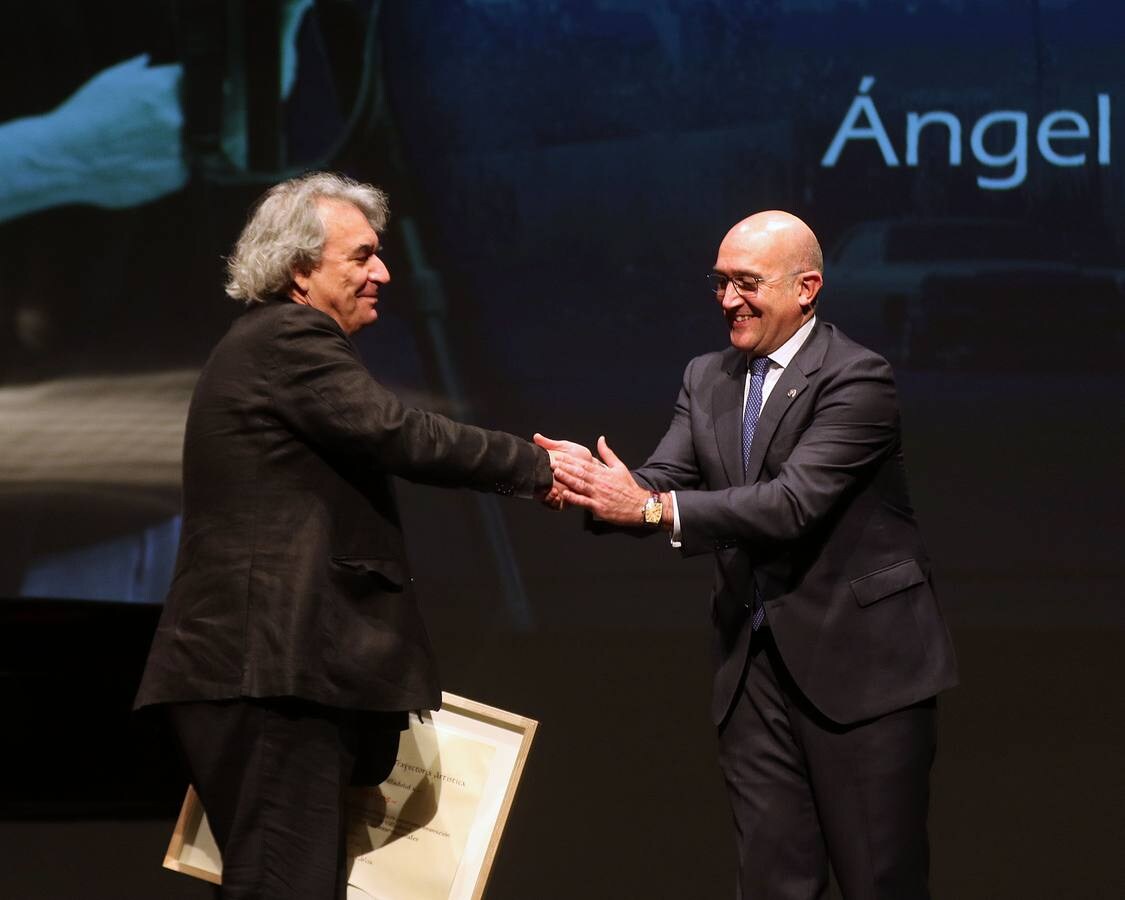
pixel 136 568
pixel 108 164
pixel 114 143
pixel 578 125
pixel 567 171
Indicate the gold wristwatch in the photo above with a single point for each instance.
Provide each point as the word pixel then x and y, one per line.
pixel 653 511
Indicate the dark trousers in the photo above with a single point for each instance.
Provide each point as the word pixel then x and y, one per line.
pixel 807 792
pixel 272 776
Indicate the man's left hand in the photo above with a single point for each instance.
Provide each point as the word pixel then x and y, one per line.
pixel 605 488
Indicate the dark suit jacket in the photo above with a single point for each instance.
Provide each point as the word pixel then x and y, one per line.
pixel 292 578
pixel 821 527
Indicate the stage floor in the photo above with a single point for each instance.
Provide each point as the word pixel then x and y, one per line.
pixel 621 798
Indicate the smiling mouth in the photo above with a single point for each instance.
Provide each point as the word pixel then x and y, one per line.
pixel 742 319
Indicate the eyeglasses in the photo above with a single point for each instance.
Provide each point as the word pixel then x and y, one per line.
pixel 744 285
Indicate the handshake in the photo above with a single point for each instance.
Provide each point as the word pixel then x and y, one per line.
pixel 603 485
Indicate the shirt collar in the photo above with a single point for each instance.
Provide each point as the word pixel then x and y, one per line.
pixel 784 354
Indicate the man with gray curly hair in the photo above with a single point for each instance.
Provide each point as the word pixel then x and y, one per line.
pixel 291 646
pixel 287 233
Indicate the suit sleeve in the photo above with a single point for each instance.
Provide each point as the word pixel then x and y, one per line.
pixel 854 426
pixel 672 465
pixel 327 397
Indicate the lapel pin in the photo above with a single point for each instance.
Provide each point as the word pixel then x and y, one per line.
pixel 791 393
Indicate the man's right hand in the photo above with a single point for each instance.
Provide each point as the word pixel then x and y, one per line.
pixel 568 447
pixel 555 450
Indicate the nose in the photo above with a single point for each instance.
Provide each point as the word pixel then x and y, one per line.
pixel 731 297
pixel 378 272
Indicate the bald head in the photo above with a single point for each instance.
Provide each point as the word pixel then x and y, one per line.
pixel 783 236
pixel 773 269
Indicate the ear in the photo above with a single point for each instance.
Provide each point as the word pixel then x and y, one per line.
pixel 809 287
pixel 299 288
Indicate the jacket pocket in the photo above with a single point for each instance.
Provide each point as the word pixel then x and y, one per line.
pixel 390 571
pixel 890 580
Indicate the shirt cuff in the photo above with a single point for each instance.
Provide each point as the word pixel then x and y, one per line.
pixel 675 520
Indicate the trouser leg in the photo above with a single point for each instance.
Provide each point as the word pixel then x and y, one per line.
pixel 871 783
pixel 271 775
pixel 782 855
pixel 807 791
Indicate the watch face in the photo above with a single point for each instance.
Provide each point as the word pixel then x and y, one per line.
pixel 653 512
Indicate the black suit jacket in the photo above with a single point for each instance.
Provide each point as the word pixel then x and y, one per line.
pixel 821 527
pixel 291 578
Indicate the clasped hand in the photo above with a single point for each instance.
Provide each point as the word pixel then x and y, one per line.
pixel 604 486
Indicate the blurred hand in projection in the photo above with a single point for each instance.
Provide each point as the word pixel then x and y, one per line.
pixel 115 142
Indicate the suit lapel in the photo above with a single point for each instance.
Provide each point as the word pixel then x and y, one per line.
pixel 789 387
pixel 726 414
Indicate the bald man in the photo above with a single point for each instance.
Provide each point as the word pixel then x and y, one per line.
pixel 784 461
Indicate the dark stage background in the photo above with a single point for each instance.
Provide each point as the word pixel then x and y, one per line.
pixel 560 176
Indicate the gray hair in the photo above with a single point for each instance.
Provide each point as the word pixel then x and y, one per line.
pixel 285 233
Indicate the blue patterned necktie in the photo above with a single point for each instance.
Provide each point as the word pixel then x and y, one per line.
pixel 758 368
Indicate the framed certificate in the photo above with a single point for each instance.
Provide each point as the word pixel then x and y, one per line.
pixel 431 830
